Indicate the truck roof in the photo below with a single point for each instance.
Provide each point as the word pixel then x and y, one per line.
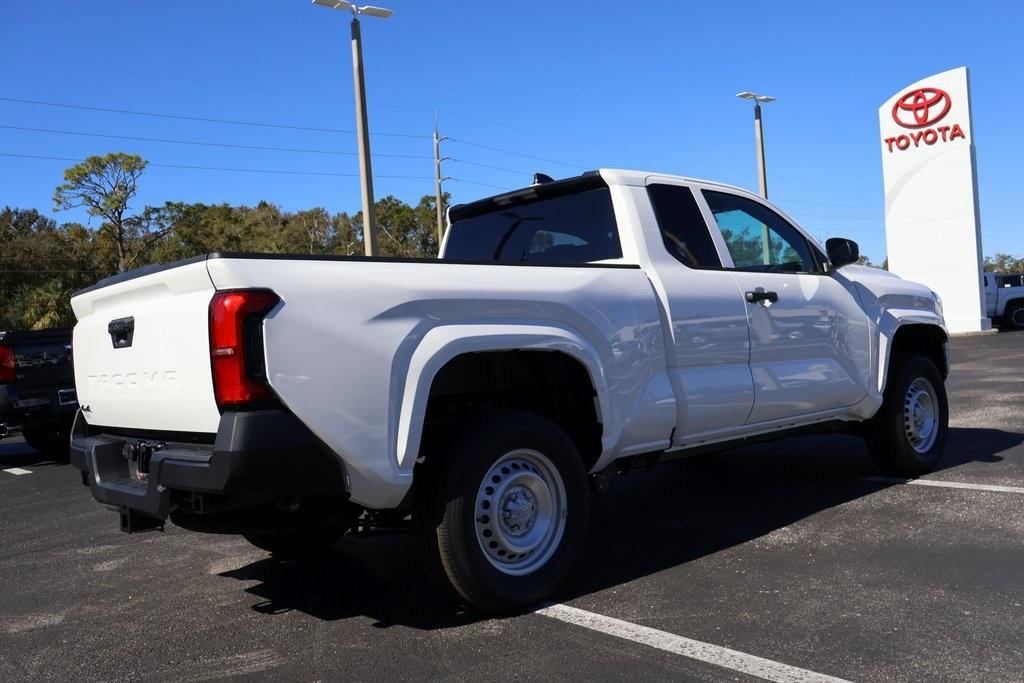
pixel 583 181
pixel 620 176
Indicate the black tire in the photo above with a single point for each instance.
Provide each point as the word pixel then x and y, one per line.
pixel 450 528
pixel 52 441
pixel 895 444
pixel 1013 316
pixel 296 543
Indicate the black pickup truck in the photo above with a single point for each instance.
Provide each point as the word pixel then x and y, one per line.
pixel 37 388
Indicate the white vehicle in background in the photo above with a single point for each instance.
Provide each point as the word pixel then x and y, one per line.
pixel 570 330
pixel 1004 299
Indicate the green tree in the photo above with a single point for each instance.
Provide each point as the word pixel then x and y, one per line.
pixel 104 186
pixel 46 306
pixel 1004 263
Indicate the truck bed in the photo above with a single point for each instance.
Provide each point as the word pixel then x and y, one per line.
pixel 348 327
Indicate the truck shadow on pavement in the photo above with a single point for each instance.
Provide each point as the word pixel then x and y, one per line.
pixel 648 522
pixel 20 454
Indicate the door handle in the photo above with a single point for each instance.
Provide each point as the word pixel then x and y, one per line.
pixel 760 296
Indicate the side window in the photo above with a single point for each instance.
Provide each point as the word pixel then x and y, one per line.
pixel 1009 280
pixel 682 226
pixel 578 227
pixel 758 238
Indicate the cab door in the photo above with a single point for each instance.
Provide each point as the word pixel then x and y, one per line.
pixel 707 336
pixel 809 337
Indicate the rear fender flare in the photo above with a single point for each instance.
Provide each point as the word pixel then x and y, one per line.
pixel 413 375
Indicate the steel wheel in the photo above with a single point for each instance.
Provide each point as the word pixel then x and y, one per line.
pixel 521 509
pixel 920 415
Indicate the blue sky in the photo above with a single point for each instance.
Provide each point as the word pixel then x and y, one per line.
pixel 647 85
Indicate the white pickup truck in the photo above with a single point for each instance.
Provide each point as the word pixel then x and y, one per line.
pixel 570 330
pixel 1004 299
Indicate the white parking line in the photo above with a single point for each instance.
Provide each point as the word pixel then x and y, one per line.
pixel 694 649
pixel 17 470
pixel 948 484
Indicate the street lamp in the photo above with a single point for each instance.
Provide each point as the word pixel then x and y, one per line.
pixel 762 178
pixel 362 126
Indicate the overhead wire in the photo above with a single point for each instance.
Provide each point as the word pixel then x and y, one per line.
pixel 227 145
pixel 202 119
pixel 228 168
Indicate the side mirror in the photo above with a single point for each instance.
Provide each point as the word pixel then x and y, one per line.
pixel 842 252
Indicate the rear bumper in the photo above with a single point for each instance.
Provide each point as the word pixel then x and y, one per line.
pixel 50 408
pixel 259 454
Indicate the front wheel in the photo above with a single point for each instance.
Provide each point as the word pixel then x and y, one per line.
pixel 1013 318
pixel 502 510
pixel 908 434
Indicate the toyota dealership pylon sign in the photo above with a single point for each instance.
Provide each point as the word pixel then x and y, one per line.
pixel 932 226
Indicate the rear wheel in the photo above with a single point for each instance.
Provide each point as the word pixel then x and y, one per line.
pixel 908 434
pixel 1013 317
pixel 501 511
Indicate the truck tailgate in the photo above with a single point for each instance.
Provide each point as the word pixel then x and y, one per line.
pixel 141 351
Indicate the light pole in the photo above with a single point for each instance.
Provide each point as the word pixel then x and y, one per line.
pixel 362 126
pixel 762 176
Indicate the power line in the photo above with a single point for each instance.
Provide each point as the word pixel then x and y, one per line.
pixel 845 206
pixel 199 81
pixel 474 182
pixel 999 223
pixel 205 144
pixel 227 168
pixel 494 168
pixel 514 153
pixel 843 218
pixel 203 119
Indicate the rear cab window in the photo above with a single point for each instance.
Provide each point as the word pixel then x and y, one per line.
pixel 566 222
pixel 683 230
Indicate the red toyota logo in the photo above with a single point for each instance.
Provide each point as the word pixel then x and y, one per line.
pixel 921 107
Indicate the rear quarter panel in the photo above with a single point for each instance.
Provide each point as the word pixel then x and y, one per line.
pixel 354 346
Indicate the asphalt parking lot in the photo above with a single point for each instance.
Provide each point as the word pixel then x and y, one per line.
pixel 787 553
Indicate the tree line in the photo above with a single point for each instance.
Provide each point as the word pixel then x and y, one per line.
pixel 42 261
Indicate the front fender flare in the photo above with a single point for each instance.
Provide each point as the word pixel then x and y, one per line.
pixel 890 324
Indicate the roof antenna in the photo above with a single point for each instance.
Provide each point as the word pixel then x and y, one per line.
pixel 541 179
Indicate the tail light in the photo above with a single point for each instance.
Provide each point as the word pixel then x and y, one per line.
pixel 236 347
pixel 6 364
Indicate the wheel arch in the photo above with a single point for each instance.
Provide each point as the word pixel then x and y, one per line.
pixel 1011 304
pixel 454 357
pixel 913 337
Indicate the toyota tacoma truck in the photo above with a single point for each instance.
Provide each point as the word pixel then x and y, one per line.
pixel 568 331
pixel 37 388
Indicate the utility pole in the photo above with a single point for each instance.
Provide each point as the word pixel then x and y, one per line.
pixel 438 179
pixel 362 124
pixel 762 174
